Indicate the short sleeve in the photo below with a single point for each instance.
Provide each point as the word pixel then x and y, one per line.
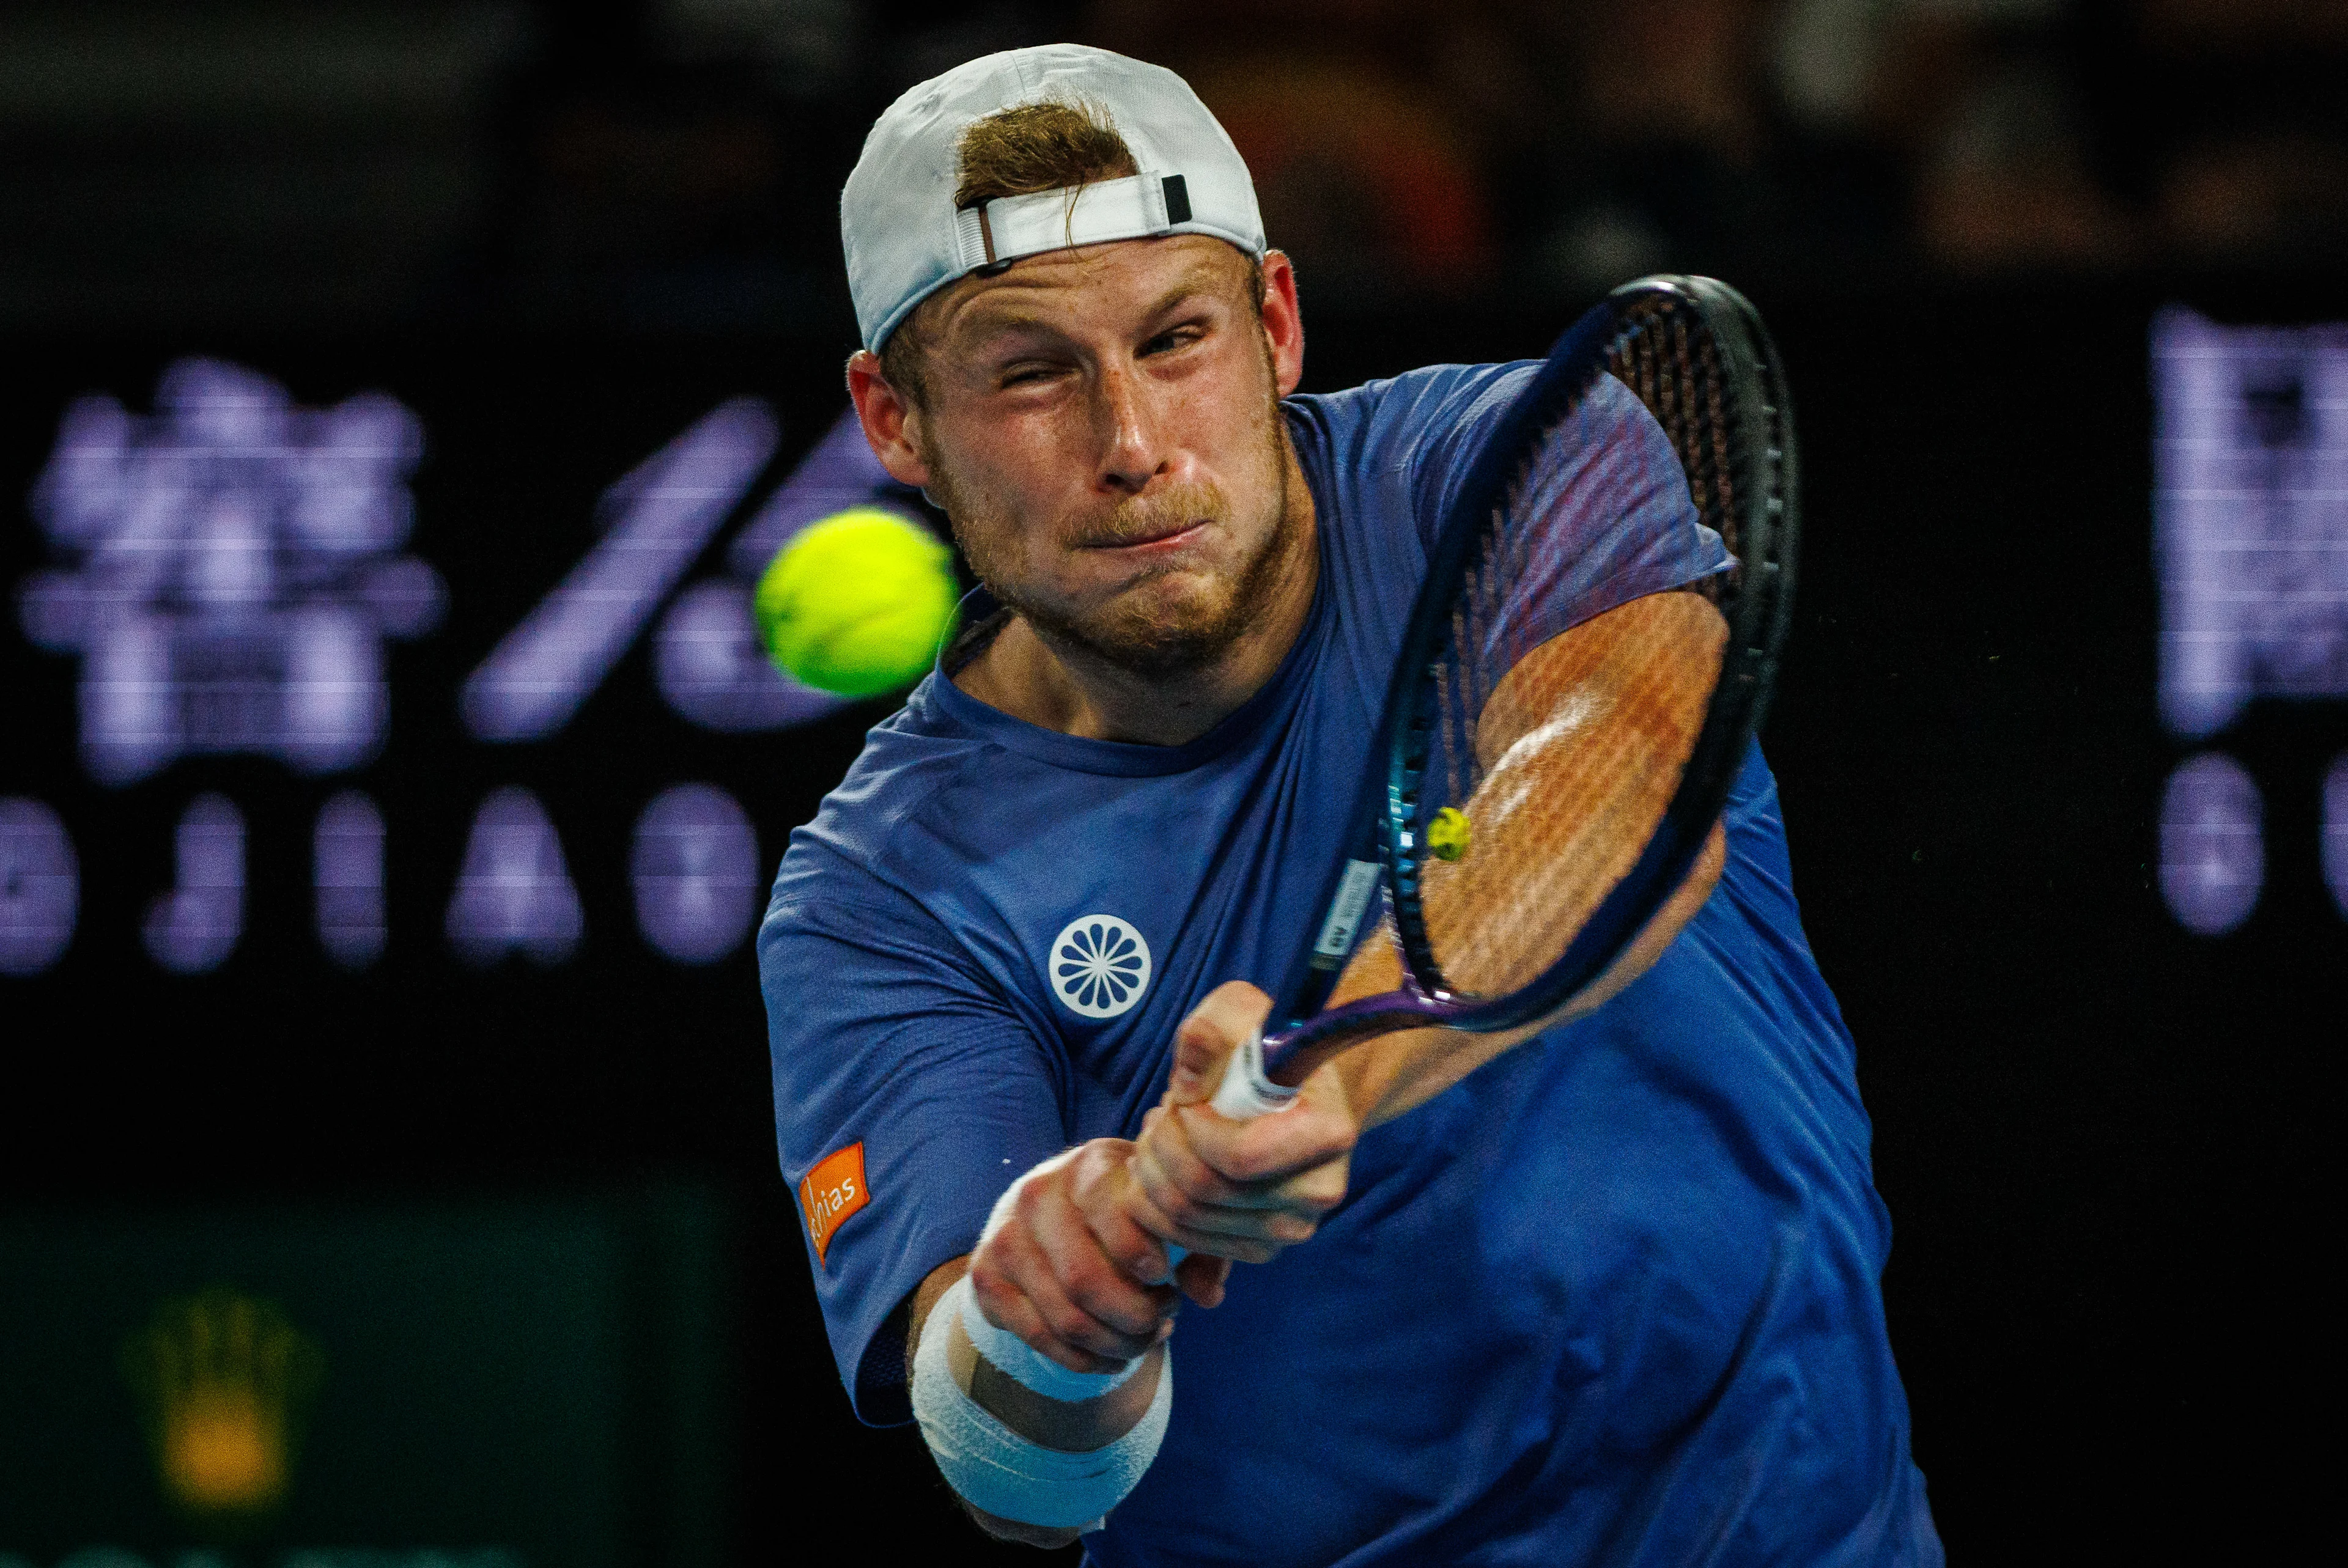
pixel 1616 520
pixel 906 1098
pixel 1390 458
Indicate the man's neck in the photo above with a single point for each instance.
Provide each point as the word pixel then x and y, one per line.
pixel 1056 685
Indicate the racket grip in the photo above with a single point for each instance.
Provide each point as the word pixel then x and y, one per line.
pixel 1245 1092
pixel 1244 1095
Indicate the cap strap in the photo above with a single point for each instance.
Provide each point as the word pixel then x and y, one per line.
pixel 1010 227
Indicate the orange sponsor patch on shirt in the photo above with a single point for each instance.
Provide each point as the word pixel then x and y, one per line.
pixel 834 1190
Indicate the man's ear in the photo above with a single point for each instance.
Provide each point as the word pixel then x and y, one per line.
pixel 890 419
pixel 1283 323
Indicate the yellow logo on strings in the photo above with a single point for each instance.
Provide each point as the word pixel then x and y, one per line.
pixel 224 1378
pixel 1446 835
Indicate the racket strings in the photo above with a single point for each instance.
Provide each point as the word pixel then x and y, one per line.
pixel 1451 693
pixel 1479 650
pixel 1583 748
pixel 1673 366
pixel 1483 643
pixel 1558 805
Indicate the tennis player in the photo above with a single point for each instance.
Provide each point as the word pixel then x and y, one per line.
pixel 1608 1297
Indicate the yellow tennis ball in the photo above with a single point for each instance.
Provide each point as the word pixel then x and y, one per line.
pixel 858 603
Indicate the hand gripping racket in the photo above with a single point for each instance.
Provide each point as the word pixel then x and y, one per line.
pixel 1517 859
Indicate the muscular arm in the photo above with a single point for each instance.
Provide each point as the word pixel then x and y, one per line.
pixel 1580 746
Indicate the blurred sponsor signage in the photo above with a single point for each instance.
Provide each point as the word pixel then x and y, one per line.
pixel 2250 531
pixel 463 1384
pixel 224 1379
pixel 230 571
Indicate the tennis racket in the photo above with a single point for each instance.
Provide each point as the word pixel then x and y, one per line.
pixel 1518 860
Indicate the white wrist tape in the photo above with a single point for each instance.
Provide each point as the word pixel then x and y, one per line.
pixel 1000 1473
pixel 1014 1356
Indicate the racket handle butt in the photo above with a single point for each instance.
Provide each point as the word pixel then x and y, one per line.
pixel 1245 1092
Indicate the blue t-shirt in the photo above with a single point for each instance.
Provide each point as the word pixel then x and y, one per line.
pixel 1612 1300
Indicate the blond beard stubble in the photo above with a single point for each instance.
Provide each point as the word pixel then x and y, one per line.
pixel 1150 644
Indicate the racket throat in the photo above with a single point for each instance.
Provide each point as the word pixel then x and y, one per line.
pixel 1292 1054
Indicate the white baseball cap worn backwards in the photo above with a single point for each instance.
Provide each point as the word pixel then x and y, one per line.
pixel 905 240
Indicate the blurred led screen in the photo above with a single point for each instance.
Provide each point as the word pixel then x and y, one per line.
pixel 2251 517
pixel 394 782
pixel 227 572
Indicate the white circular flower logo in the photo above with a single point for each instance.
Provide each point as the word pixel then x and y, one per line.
pixel 1100 965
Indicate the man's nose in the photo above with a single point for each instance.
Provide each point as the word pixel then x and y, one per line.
pixel 1132 451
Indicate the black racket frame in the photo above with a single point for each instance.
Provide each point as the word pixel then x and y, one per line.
pixel 1757 604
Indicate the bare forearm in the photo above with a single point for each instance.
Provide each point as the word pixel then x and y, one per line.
pixel 1556 823
pixel 1396 1074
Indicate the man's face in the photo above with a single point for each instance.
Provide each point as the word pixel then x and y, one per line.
pixel 1103 427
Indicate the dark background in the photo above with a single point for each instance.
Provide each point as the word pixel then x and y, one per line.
pixel 561 237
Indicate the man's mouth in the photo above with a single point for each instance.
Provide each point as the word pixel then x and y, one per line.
pixel 1170 534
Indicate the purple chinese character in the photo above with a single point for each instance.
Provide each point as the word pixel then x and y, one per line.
pixel 233 569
